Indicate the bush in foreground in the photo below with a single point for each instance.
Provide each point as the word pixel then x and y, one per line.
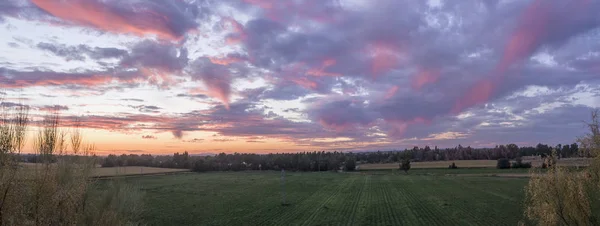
pixel 563 197
pixel 57 190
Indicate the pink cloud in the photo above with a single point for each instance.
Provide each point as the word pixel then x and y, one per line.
pixel 478 94
pixel 96 14
pixel 304 82
pixel 384 57
pixel 391 92
pixel 238 35
pixel 285 10
pixel 225 60
pixel 321 70
pixel 535 27
pixel 18 79
pixel 425 76
pixel 217 87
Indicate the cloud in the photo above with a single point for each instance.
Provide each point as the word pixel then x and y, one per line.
pixel 217 79
pixel 195 140
pixel 149 137
pixel 541 24
pixel 367 75
pixel 78 52
pixel 177 134
pixel 53 108
pixel 151 54
pixel 132 99
pixel 343 114
pixel 192 96
pixel 146 108
pixel 18 79
pixel 167 20
pixel 8 104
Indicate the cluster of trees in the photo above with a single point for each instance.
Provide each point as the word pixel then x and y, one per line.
pixel 326 161
pixel 183 161
pixel 510 151
pixel 305 161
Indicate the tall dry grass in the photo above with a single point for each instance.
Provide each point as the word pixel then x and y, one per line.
pixel 563 197
pixel 60 190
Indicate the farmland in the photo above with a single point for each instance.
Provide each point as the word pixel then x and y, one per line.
pixel 132 170
pixel 536 162
pixel 119 171
pixel 327 198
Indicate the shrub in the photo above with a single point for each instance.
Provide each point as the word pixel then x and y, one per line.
pixel 452 166
pixel 405 165
pixel 524 165
pixel 520 164
pixel 503 164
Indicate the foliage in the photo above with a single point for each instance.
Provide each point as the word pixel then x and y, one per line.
pixel 503 164
pixel 405 165
pixel 563 197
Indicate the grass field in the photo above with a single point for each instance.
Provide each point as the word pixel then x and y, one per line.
pixel 361 198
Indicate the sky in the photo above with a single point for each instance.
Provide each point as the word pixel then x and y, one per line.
pixel 263 76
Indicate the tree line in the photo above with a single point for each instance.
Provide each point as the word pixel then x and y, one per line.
pixel 327 161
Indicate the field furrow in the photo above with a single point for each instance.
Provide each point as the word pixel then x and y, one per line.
pixel 323 206
pixel 401 205
pixel 382 198
pixel 359 206
pixel 300 208
pixel 426 212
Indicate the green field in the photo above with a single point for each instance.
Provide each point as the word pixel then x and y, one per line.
pixel 362 198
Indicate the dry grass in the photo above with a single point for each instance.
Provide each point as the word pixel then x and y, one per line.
pixel 536 162
pixel 132 170
pixel 119 171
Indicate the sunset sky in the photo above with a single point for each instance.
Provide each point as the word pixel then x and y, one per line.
pixel 210 76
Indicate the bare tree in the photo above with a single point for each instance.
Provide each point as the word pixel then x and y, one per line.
pixel 13 128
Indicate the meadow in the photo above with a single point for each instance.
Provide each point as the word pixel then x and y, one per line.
pixel 388 197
